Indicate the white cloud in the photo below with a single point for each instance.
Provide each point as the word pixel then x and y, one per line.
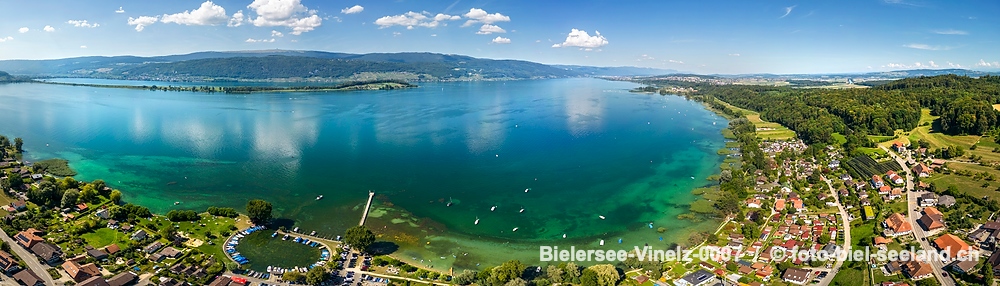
pixel 412 19
pixel 734 55
pixel 8 38
pixel 954 65
pixel 83 47
pixel 352 10
pixel 477 15
pixel 950 32
pixel 143 21
pixel 788 10
pixel 926 47
pixel 501 40
pixel 252 40
pixel 285 13
pixel 396 34
pixel 82 24
pixel 49 28
pixel 276 34
pixel 676 62
pixel 981 63
pixel 487 29
pixel 206 14
pixel 932 64
pixel 434 35
pixel 580 38
pixel 237 19
pixel 916 65
pixel 23 30
pixel 120 10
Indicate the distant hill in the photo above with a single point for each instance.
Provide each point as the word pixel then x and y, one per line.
pixel 6 77
pixel 616 71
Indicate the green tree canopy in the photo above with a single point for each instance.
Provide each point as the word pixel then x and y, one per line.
pixel 359 237
pixel 259 211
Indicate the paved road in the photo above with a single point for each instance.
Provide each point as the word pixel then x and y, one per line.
pixel 29 259
pixel 913 215
pixel 846 230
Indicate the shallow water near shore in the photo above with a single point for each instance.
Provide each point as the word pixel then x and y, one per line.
pixel 439 157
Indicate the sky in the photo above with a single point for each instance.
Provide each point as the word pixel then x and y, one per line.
pixel 723 37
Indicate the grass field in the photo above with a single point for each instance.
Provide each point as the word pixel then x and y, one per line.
pixel 104 237
pixel 765 130
pixel 850 276
pixel 5 200
pixel 964 183
pixel 937 139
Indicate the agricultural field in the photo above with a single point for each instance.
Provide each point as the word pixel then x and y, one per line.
pixel 866 167
pixel 765 130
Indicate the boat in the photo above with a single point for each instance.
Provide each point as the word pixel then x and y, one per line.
pixel 449 202
pixel 515 229
pixel 619 241
pixel 522 210
pixel 177 203
pixel 320 197
pixel 269 269
pixel 477 220
pixel 602 242
pixel 296 229
pixel 600 216
pixel 274 234
pixel 564 235
pixel 526 190
pixel 493 208
pixel 650 225
pixel 285 237
pixel 692 178
pixel 312 233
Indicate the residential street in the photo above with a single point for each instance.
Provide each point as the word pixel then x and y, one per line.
pixel 28 258
pixel 846 230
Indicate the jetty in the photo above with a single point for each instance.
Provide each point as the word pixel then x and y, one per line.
pixel 368 206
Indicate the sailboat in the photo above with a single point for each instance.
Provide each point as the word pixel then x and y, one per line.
pixel 477 220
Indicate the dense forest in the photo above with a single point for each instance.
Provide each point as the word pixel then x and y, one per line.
pixel 965 105
pixel 272 67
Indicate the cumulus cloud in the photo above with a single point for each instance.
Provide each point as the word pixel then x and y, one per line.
pixel 352 10
pixel 23 30
pixel 120 10
pixel 788 10
pixel 734 55
pixel 926 47
pixel 8 38
pixel 676 62
pixel 83 47
pixel 252 40
pixel 487 29
pixel 501 40
pixel 916 65
pixel 981 63
pixel 932 64
pixel 49 28
pixel 954 65
pixel 276 34
pixel 206 14
pixel 285 13
pixel 143 21
pixel 82 24
pixel 477 15
pixel 412 19
pixel 580 38
pixel 950 32
pixel 237 19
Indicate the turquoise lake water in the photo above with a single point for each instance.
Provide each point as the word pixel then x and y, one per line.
pixel 585 148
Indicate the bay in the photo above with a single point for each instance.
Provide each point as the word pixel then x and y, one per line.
pixel 585 148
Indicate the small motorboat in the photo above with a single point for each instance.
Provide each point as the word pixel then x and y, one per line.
pixel 522 210
pixel 526 190
pixel 515 229
pixel 602 242
pixel 564 235
pixel 493 208
pixel 320 197
pixel 477 220
pixel 600 216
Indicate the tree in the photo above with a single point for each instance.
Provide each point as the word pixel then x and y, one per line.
pixel 101 187
pixel 69 198
pixel 116 196
pixel 317 275
pixel 517 282
pixel 507 271
pixel 45 194
pixel 466 277
pixel 589 278
pixel 987 272
pixel 88 193
pixel 292 276
pixel 18 143
pixel 824 238
pixel 259 211
pixel 554 273
pixel 359 237
pixel 607 274
pixel 572 272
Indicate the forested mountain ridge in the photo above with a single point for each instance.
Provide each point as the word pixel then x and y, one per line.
pixel 964 104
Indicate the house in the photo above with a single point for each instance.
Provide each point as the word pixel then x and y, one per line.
pixel 946 200
pixel 894 178
pixel 26 277
pixel 47 252
pixel 898 147
pixel 877 181
pixel 928 200
pixel 8 263
pixel 698 278
pixel 112 249
pixel 994 261
pixel 29 237
pixel 895 193
pixel 97 254
pixel 761 180
pixel 932 219
pixel 122 279
pixel 921 170
pixel 953 245
pixel 796 276
pixel 797 204
pixel 81 272
pixel 139 235
pixel 833 164
pixel 917 270
pixel 19 205
pixel 897 225
pixel 779 205
pixel 153 247
pixel 963 265
pixel 869 213
pixel 81 207
pixel 170 252
pixel 884 190
pixel 102 213
pixel 937 163
pixel 753 203
pixel 94 281
pixel 882 241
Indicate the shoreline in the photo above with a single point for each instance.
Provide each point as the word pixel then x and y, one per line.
pixel 348 86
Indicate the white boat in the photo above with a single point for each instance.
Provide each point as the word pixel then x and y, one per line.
pixel 526 190
pixel 515 229
pixel 600 216
pixel 602 242
pixel 564 235
pixel 477 220
pixel 320 197
pixel 312 233
pixel 296 229
pixel 522 210
pixel 493 208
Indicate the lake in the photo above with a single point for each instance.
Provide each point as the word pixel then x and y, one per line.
pixel 583 148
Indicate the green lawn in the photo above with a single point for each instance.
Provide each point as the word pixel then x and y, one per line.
pixel 965 184
pixel 765 130
pixel 850 276
pixel 838 139
pixel 103 237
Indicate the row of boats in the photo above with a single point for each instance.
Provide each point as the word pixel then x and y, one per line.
pixel 230 247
